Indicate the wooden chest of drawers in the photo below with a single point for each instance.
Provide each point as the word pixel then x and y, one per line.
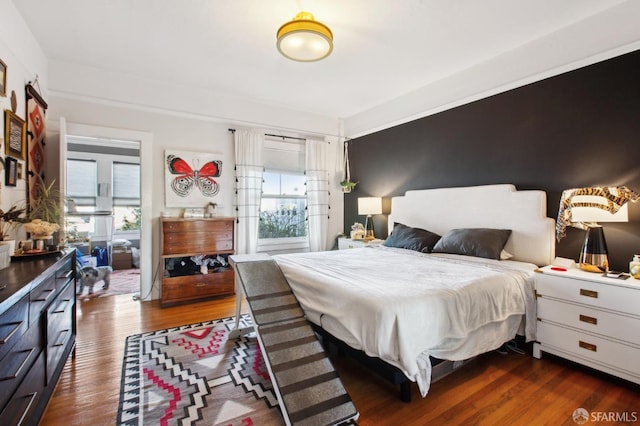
pixel 183 239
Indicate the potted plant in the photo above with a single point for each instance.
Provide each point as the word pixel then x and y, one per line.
pixel 10 220
pixel 347 185
pixel 45 210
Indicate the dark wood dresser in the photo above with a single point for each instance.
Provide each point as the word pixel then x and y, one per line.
pixel 181 239
pixel 37 332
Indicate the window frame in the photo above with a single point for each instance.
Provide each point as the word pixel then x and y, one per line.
pixel 286 244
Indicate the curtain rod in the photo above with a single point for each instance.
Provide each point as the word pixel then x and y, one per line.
pixel 276 136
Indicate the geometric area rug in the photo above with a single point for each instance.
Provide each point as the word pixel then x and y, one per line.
pixel 195 375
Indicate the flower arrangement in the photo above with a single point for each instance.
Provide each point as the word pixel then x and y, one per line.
pixel 38 227
pixel 357 231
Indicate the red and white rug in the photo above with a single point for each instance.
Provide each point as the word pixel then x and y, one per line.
pixel 195 375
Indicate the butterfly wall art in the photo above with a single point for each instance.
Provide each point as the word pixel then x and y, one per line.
pixel 192 178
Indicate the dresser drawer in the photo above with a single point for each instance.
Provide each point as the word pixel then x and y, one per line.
pixel 59 327
pixel 197 236
pixel 199 226
pixel 22 404
pixel 16 363
pixel 596 349
pixel 197 243
pixel 610 297
pixel 13 324
pixel 589 319
pixel 175 289
pixel 65 273
pixel 40 297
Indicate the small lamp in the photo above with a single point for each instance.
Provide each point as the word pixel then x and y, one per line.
pixel 583 208
pixel 369 206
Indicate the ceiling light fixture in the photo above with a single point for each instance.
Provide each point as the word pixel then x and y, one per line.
pixel 304 39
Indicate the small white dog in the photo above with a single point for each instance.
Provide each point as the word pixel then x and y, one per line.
pixel 89 275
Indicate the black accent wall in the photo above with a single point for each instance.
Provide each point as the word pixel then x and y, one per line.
pixel 580 128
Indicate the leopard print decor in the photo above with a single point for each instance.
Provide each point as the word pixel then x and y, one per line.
pixel 615 200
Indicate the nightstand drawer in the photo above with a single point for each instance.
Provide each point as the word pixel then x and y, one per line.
pixel 348 243
pixel 610 297
pixel 602 351
pixel 619 327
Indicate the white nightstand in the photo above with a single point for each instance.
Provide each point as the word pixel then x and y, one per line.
pixel 590 319
pixel 348 243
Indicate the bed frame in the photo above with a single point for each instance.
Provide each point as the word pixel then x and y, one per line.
pixel 440 210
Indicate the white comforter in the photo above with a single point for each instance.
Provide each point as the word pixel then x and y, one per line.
pixel 403 306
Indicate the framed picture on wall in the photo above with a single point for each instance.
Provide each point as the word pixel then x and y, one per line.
pixel 3 78
pixel 10 171
pixel 192 179
pixel 14 135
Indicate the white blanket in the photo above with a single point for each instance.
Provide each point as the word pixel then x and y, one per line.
pixel 403 306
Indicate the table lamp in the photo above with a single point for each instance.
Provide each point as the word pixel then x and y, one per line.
pixel 369 206
pixel 583 208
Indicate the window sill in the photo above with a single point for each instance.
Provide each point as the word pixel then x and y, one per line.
pixel 269 245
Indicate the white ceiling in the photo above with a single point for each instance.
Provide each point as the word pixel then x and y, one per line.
pixel 383 50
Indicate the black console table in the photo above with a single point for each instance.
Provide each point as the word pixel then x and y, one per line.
pixel 37 332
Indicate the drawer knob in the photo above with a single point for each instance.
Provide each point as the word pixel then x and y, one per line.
pixel 590 320
pixel 588 346
pixel 588 293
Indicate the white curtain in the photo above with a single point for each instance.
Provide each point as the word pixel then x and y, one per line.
pixel 317 174
pixel 249 168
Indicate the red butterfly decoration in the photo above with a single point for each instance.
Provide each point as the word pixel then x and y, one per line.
pixel 188 178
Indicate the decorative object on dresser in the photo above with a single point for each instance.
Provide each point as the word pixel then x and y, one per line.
pixel 187 241
pixel 369 206
pixel 590 319
pixel 583 208
pixel 357 231
pixel 634 267
pixel 37 331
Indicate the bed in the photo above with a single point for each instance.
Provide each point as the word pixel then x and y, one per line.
pixel 445 286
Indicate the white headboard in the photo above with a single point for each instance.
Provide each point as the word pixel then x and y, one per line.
pixel 489 206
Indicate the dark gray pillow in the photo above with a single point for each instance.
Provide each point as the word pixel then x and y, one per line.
pixel 409 238
pixel 479 242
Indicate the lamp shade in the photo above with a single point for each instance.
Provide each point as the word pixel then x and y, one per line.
pixel 369 205
pixel 593 208
pixel 304 39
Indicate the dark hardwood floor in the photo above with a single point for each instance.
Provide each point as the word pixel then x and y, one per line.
pixel 494 389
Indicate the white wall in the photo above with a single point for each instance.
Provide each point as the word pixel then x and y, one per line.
pixel 24 59
pixel 176 133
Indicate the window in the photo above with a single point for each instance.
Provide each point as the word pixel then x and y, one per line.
pixel 282 209
pixel 283 225
pixel 82 187
pixel 126 196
